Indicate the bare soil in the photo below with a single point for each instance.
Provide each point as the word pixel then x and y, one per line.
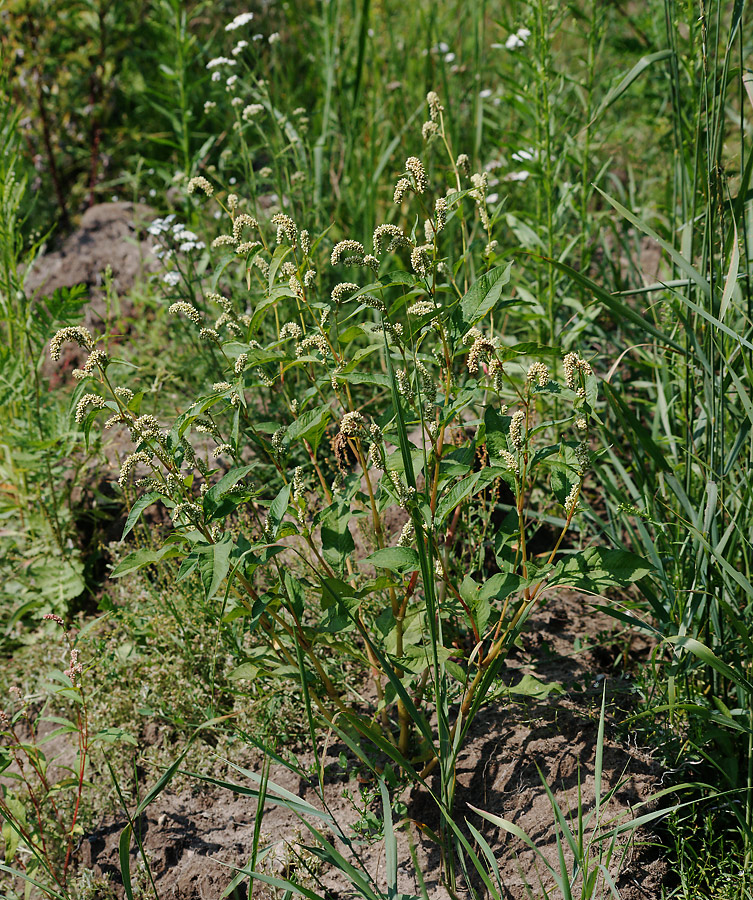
pixel 194 838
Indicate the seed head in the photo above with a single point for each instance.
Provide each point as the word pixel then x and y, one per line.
pixel 422 308
pixel 571 501
pixel 145 426
pixel 76 333
pixel 97 358
pixel 428 385
pixel 244 221
pixel 538 373
pixel 74 667
pixel 497 372
pixel 415 167
pixel 406 535
pixel 286 229
pixel 190 312
pixel 428 130
pixel 435 107
pixel 401 188
pixel 404 387
pixel 517 429
pixel 351 424
pixel 291 330
pixel 88 400
pixel 511 461
pixel 420 261
pixel 481 347
pixel 404 494
pixel 352 248
pixel 202 184
pixel 130 463
pixel 341 292
pixel 246 247
pixel 440 210
pixel 390 235
pixel 315 340
pixel 574 366
pixel 583 456
pixel 278 440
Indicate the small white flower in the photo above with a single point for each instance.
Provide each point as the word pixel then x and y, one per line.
pixel 517 40
pixel 239 21
pixel 274 37
pixel 253 109
pixel 231 81
pixel 449 57
pixel 523 175
pixel 487 92
pixel 239 47
pixel 524 155
pixel 492 198
pixel 171 278
pixel 220 61
pixel 216 76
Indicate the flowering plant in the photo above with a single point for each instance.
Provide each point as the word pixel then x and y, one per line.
pixel 410 541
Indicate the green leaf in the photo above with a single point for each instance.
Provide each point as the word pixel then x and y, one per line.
pixel 396 559
pixel 460 491
pixel 278 509
pixel 484 294
pixel 215 494
pixel 214 564
pixel 310 426
pixel 497 429
pixel 711 659
pixel 624 83
pixel 598 569
pixel 337 541
pixel 501 586
pixel 140 558
pixel 138 507
pixel 529 686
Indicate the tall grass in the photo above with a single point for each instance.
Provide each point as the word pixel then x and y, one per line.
pixel 687 474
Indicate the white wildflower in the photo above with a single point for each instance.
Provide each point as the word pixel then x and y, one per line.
pixel 239 21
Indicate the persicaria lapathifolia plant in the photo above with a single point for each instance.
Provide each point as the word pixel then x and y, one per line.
pixel 364 472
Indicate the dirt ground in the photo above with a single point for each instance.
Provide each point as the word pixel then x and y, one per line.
pixel 194 838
